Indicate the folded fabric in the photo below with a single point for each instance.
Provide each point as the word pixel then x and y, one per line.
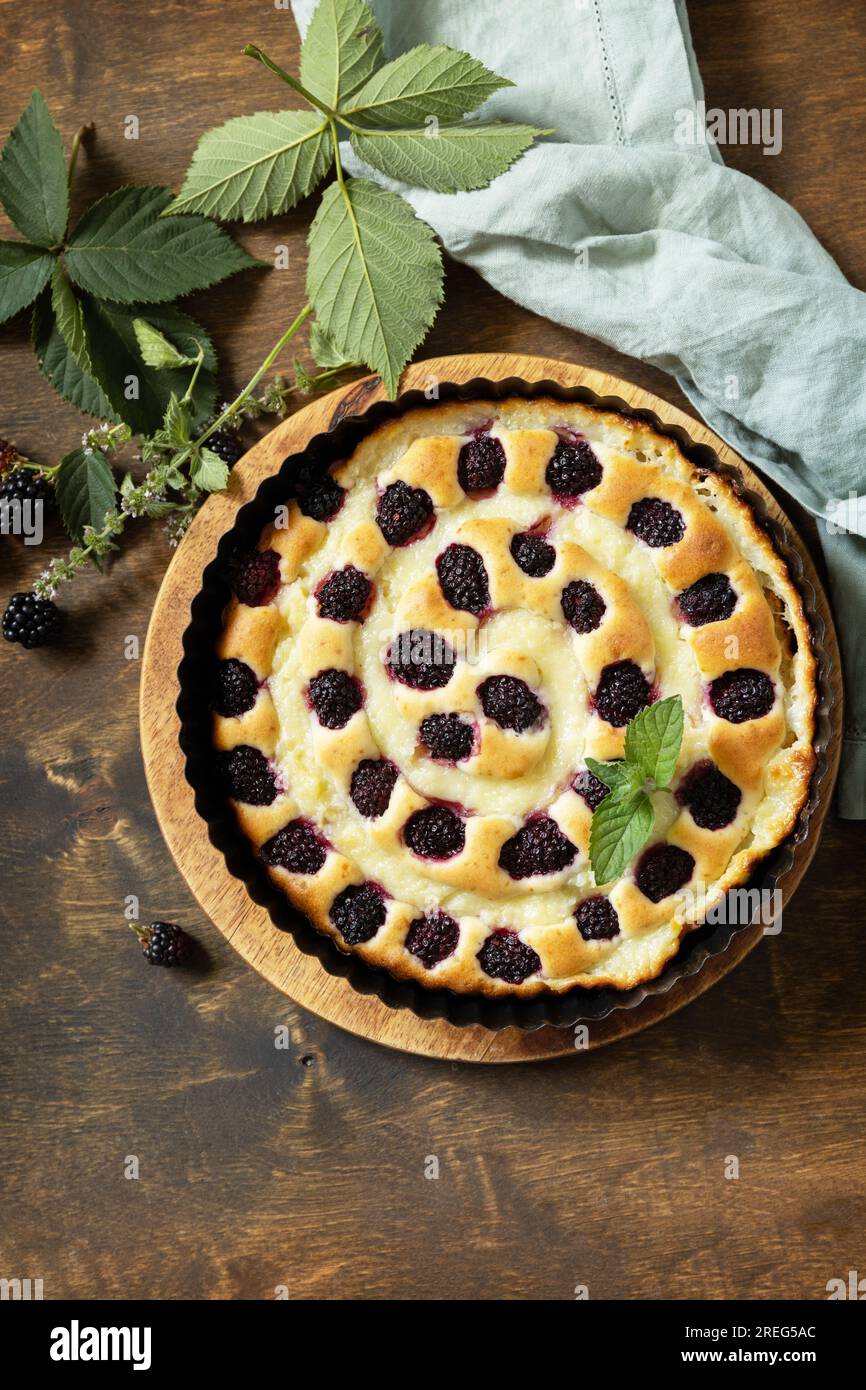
pixel 626 225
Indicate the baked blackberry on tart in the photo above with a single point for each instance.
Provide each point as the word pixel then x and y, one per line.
pixel 435 635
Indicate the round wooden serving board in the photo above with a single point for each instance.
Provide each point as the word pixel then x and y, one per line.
pixel 224 898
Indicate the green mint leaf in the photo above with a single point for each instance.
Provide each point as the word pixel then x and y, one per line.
pixel 653 738
pixel 448 159
pixel 621 825
pixel 616 776
pixel 256 166
pixel 208 471
pixel 156 350
pixel 122 250
pixel 326 355
pixel 33 186
pixel 85 489
pixel 426 81
pixel 56 362
pixel 176 425
pixel 69 317
pixel 139 394
pixel 374 276
pixel 24 273
pixel 342 48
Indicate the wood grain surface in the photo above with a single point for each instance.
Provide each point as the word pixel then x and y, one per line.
pixel 305 1166
pixel 246 924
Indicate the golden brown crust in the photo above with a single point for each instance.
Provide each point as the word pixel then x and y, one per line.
pixel 286 643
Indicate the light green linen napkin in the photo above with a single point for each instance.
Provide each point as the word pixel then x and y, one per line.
pixel 616 228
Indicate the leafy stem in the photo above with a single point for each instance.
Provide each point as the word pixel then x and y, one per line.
pixel 252 50
pixel 254 380
pixel 79 136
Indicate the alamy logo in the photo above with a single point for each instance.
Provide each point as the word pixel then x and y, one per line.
pixel 20 1290
pixel 738 126
pixel 77 1343
pixel 855 1287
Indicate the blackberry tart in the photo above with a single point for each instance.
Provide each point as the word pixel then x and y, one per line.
pixel 424 648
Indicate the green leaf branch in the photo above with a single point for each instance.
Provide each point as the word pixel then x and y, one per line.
pixel 623 822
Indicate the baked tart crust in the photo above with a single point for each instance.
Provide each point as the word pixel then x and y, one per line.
pixel 423 650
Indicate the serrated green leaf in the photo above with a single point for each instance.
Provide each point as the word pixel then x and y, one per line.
pixel 208 471
pixel 324 352
pixel 124 251
pixel 176 423
pixel 616 776
pixel 85 489
pixel 448 159
pixel 653 739
pixel 56 362
pixel 120 370
pixel 256 166
pixel 33 187
pixel 374 276
pixel 69 318
pixel 430 80
pixel 342 48
pixel 156 350
pixel 24 273
pixel 621 825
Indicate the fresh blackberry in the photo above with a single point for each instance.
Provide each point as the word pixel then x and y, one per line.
pixel 573 469
pixel 297 848
pixel 236 689
pixel 582 605
pixel 597 919
pixel 371 787
pixel 712 798
pixel 447 737
pixel 31 621
pixel 248 776
pixel 593 791
pixel 656 522
pixel 505 957
pixel 8 455
pixel 709 600
pixel 319 496
pixel 225 445
pixel 510 703
pixel 741 695
pixel 344 596
pixel 622 692
pixel 532 554
pixel 539 847
pixel 463 579
pixel 24 485
pixel 436 832
pixel 481 464
pixel 662 870
pixel 335 696
pixel 432 938
pixel 164 944
pixel 358 912
pixel 421 659
pixel 255 576
pixel 404 513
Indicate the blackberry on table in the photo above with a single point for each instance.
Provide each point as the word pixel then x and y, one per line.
pixel 164 944
pixel 31 621
pixel 225 445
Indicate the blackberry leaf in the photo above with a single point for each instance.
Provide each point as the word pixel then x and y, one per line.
pixel 123 250
pixel 426 81
pixel 56 362
pixel 33 186
pixel 69 318
pixel 342 48
pixel 449 160
pixel 24 273
pixel 374 276
pixel 256 166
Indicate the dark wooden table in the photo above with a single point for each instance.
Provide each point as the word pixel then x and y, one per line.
pixel 305 1167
